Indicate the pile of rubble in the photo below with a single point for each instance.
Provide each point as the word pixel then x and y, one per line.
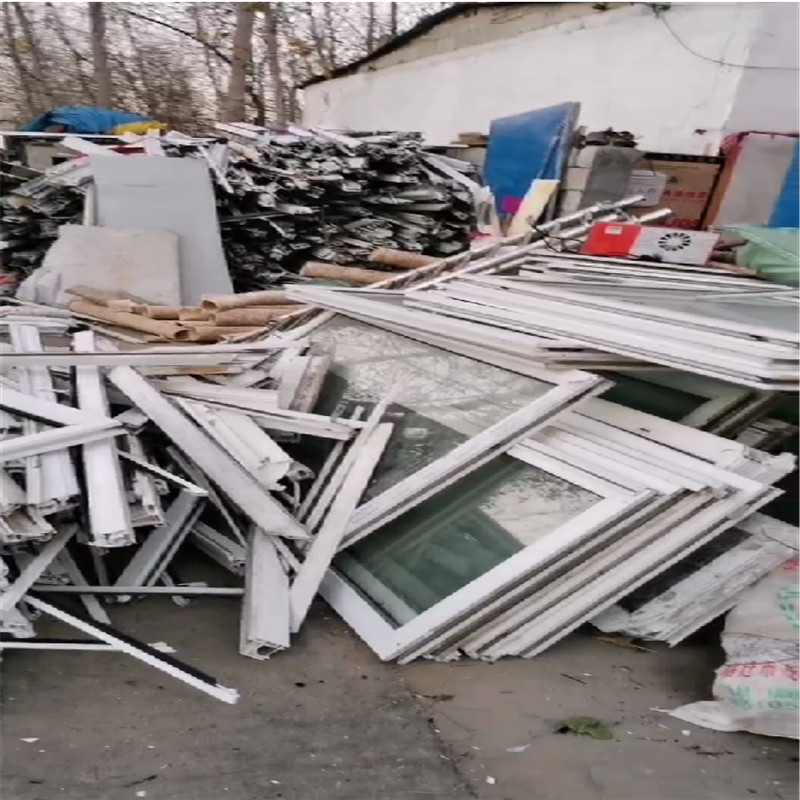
pixel 282 198
pixel 461 463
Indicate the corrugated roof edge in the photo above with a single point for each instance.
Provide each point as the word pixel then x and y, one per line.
pixel 423 26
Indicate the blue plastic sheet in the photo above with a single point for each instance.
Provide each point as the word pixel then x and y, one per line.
pixel 525 147
pixel 83 120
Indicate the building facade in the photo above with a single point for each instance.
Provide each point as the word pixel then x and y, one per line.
pixel 679 76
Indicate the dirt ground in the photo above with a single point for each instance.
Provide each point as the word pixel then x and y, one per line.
pixel 327 720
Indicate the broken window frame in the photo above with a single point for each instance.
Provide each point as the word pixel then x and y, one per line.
pixel 388 640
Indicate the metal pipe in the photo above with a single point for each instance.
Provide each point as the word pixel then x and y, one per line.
pixel 221 591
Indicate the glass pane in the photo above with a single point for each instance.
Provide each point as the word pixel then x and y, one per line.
pixel 661 401
pixel 459 534
pixel 441 399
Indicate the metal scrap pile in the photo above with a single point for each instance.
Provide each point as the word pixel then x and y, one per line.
pixel 473 466
pixel 329 197
pixel 282 199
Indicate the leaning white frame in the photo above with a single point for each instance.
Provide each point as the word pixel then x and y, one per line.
pixel 471 454
pixel 388 641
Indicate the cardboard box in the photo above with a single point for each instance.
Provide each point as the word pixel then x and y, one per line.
pixel 689 183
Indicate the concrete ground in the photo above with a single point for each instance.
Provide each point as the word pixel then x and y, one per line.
pixel 327 720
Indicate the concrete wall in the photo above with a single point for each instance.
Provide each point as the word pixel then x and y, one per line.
pixel 767 99
pixel 623 65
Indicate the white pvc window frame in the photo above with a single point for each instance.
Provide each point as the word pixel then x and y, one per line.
pixel 389 641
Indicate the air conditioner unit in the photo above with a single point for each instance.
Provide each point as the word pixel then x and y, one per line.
pixel 623 240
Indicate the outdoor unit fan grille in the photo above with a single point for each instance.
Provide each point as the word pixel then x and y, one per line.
pixel 674 241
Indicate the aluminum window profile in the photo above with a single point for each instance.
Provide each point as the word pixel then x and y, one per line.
pixel 644 338
pixel 50 478
pixel 12 495
pixel 229 554
pixel 414 319
pixel 389 642
pixel 467 632
pixel 722 362
pixel 642 310
pixel 17 590
pixel 711 589
pixel 92 605
pixel 654 554
pixel 381 636
pixel 156 551
pixel 264 626
pixel 256 399
pixel 540 594
pixel 370 624
pixel 153 469
pixel 243 440
pixel 52 441
pixel 292 421
pixel 109 516
pixel 471 454
pixel 226 473
pixel 506 357
pixel 662 496
pixel 318 507
pixel 214 497
pixel 702 525
pixel 47 411
pixel 145 504
pixel 113 358
pixel 696 329
pixel 167 589
pixel 357 467
pixel 131 647
pixel 24 524
pixel 705 446
pixel 321 481
pixel 489 641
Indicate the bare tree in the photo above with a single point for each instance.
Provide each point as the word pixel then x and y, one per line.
pixel 235 106
pixel 31 44
pixel 81 63
pixel 14 54
pixel 102 72
pixel 49 54
pixel 272 45
pixel 370 43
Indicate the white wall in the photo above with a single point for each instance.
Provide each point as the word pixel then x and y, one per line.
pixel 767 99
pixel 623 66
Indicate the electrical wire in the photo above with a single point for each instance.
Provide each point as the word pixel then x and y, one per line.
pixel 659 15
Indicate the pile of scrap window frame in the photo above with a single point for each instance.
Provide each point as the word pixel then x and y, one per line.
pixel 60 516
pixel 528 616
pixel 665 488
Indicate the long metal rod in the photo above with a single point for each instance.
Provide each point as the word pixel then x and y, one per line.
pixel 222 591
pixel 145 653
pixel 14 593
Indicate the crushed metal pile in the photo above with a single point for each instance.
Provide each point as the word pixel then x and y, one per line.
pixel 283 198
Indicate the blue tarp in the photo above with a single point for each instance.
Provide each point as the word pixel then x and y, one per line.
pixel 525 147
pixel 84 120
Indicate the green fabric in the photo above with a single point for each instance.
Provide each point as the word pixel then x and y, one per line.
pixel 773 252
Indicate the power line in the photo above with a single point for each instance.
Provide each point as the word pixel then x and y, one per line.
pixel 659 15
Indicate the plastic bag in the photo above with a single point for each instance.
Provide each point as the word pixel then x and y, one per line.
pixel 757 690
pixel 773 252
